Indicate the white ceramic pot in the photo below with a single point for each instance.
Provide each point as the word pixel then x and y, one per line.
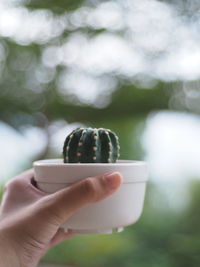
pixel 121 209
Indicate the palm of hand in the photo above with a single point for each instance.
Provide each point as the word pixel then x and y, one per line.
pixel 24 216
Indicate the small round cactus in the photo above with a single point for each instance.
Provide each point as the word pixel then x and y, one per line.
pixel 88 145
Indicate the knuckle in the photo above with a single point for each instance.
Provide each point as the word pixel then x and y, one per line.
pixel 89 188
pixel 14 184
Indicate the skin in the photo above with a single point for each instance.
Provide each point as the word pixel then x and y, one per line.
pixel 30 219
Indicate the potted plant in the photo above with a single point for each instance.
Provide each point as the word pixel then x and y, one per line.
pixel 89 152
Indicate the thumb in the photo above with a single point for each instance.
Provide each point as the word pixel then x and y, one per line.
pixel 63 203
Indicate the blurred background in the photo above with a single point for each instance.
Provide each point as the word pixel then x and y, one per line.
pixel 131 66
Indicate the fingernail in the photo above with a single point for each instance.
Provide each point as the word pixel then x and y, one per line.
pixel 112 180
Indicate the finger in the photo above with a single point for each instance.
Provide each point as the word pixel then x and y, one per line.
pixel 21 179
pixel 26 176
pixel 21 191
pixel 67 201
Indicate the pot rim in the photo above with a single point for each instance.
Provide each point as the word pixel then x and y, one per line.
pixel 58 162
pixel 56 171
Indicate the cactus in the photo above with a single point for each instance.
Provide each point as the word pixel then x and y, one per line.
pixel 87 145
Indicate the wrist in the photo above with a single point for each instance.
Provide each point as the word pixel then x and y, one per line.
pixel 8 254
pixel 13 254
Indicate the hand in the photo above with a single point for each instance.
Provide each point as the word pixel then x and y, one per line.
pixel 30 219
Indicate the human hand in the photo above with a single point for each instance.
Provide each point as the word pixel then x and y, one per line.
pixel 30 219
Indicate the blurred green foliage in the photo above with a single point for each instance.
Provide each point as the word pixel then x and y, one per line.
pixel 58 7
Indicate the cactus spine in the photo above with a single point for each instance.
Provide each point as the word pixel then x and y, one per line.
pixel 87 145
